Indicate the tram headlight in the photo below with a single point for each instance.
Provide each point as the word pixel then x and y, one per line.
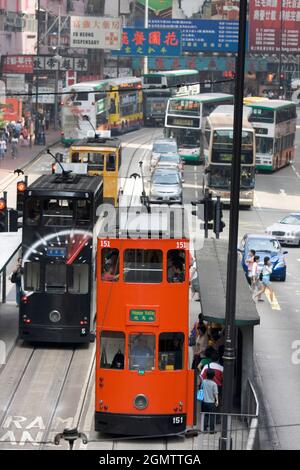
pixel 140 402
pixel 54 316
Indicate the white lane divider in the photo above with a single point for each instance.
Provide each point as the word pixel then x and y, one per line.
pixel 282 192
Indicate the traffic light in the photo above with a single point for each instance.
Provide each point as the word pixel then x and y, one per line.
pixel 3 215
pixel 218 215
pixel 21 188
pixel 208 215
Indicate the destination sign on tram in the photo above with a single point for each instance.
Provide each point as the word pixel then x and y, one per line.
pixel 142 315
pixel 183 122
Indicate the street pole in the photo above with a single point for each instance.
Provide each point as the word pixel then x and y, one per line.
pixel 118 57
pixel 229 356
pixel 280 52
pixel 36 124
pixel 146 27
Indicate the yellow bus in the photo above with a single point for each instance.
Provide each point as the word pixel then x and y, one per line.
pixel 125 105
pixel 100 156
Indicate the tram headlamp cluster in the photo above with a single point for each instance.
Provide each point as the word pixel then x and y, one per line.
pixel 140 402
pixel 54 316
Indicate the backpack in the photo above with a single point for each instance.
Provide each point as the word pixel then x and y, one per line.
pixel 118 361
pixel 13 278
pixel 192 336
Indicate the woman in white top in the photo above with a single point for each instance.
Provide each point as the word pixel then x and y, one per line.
pixel 266 283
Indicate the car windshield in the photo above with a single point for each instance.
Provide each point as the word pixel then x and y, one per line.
pixel 169 158
pixel 165 178
pixel 164 147
pixel 264 244
pixel 291 220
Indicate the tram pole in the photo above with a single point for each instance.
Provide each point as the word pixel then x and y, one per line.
pixel 229 356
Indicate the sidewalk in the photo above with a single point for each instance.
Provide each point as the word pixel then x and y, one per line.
pixel 26 154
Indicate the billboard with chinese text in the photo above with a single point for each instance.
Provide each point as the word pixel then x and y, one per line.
pixel 95 33
pixel 274 26
pixel 150 42
pixel 17 64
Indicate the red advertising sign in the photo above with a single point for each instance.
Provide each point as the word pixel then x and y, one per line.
pixel 274 25
pixel 17 64
pixel 12 110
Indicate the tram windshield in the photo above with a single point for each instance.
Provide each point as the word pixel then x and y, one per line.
pixel 58 212
pixel 141 351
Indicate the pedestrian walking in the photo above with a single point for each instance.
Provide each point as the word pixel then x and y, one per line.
pixel 14 147
pixel 16 278
pixel 2 147
pixel 255 284
pixel 210 401
pixel 265 281
pixel 249 263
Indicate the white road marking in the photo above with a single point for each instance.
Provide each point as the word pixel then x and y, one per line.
pixel 282 192
pixel 256 202
pixel 295 171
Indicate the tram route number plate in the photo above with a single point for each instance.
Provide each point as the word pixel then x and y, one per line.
pixel 178 420
pixel 142 315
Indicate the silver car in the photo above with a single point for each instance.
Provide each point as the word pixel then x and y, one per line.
pixel 287 230
pixel 166 186
pixel 161 147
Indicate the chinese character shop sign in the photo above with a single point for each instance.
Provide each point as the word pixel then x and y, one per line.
pixel 274 23
pixel 95 33
pixel 17 64
pixel 150 42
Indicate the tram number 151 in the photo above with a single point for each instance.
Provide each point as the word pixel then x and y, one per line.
pixel 181 245
pixel 177 420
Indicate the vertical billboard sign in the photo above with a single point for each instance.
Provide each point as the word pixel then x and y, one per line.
pixel 274 25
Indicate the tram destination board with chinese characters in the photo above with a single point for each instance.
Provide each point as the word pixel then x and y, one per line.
pixel 150 42
pixel 95 32
pixel 142 315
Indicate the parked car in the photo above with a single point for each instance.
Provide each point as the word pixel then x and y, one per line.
pixel 171 160
pixel 166 186
pixel 287 230
pixel 161 147
pixel 264 245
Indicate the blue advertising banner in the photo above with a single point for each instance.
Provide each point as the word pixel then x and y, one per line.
pixel 203 35
pixel 152 42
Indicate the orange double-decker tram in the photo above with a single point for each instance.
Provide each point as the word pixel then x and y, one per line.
pixel 143 383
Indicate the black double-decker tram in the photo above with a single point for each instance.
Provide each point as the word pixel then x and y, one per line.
pixel 59 230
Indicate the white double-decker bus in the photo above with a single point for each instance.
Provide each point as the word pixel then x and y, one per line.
pixel 274 122
pixel 185 121
pixel 218 140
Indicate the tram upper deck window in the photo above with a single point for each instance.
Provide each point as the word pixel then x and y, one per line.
pixel 111 162
pixel 58 212
pixel 112 347
pixel 32 276
pixel 110 264
pixel 95 161
pixel 141 351
pixel 176 266
pixel 56 278
pixel 170 351
pixel 32 211
pixel 143 266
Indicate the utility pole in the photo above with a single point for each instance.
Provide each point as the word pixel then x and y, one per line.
pixel 281 87
pixel 118 57
pixel 36 124
pixel 146 26
pixel 229 356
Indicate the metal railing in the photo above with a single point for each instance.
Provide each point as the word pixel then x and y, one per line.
pixel 242 429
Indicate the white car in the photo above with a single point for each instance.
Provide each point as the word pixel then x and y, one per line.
pixel 287 230
pixel 171 160
pixel 161 147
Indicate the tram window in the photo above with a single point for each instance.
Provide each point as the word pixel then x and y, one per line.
pixel 110 264
pixel 143 266
pixel 176 266
pixel 111 162
pixel 96 161
pixel 32 276
pixel 78 279
pixel 58 212
pixel 75 157
pixel 170 351
pixel 33 211
pixel 55 278
pixel 141 351
pixel 112 347
pixel 83 214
